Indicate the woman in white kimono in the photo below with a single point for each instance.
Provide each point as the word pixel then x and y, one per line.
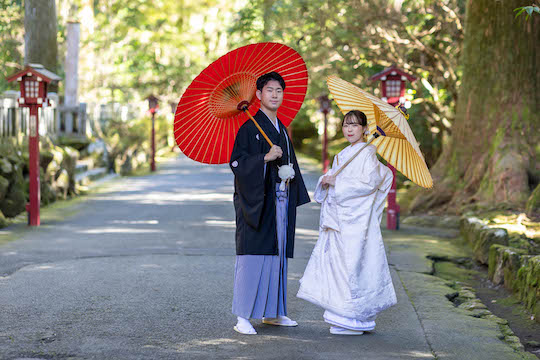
pixel 348 273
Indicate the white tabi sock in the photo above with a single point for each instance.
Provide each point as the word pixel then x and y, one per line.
pixel 244 326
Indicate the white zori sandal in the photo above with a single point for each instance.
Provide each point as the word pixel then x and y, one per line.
pixel 243 326
pixel 342 331
pixel 279 321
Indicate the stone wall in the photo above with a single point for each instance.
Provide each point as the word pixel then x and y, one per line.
pixel 57 176
pixel 513 260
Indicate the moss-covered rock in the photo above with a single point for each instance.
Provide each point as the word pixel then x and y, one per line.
pixel 12 196
pixel 62 184
pixel 98 152
pixel 54 167
pixel 3 221
pixel 474 304
pixel 77 143
pixel 123 165
pixel 470 227
pixel 527 284
pixel 69 164
pixel 4 185
pixel 520 241
pixel 481 237
pixel 533 203
pixel 504 263
pixel 5 166
pixel 47 192
pixel 485 239
pixel 45 157
pixel 14 202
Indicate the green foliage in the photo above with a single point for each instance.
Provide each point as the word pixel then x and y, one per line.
pixel 11 35
pixel 528 9
pixel 137 47
pixel 132 48
pixel 422 37
pixel 127 141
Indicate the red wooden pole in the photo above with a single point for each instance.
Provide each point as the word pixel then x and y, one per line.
pixel 392 214
pixel 325 161
pixel 153 161
pixel 33 152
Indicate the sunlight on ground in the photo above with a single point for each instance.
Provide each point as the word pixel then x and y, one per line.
pixel 211 342
pixel 151 266
pixel 134 222
pixel 307 232
pixel 41 267
pixel 162 198
pixel 419 354
pixel 223 223
pixel 118 231
pixel 513 223
pixel 294 276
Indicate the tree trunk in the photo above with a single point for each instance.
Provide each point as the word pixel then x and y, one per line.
pixel 40 27
pixel 491 157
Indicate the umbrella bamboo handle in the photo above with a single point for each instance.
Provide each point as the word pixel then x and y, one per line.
pixel 258 127
pixel 355 155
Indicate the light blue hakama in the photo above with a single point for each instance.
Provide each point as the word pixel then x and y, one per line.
pixel 260 281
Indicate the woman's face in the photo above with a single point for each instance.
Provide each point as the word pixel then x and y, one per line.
pixel 352 130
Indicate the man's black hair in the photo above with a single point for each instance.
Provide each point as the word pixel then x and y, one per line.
pixel 264 79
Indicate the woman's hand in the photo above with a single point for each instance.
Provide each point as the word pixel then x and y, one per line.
pixel 328 180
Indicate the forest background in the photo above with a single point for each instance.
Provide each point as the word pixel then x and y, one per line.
pixel 133 48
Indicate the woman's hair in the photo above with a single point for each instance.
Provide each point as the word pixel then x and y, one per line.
pixel 355 117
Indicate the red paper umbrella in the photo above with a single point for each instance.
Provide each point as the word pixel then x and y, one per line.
pixel 221 98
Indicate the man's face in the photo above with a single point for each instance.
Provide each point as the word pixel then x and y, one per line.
pixel 271 96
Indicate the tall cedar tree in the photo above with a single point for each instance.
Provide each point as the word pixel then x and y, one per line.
pixel 40 31
pixel 491 159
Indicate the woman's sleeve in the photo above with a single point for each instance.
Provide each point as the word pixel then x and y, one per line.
pixel 365 179
pixel 320 192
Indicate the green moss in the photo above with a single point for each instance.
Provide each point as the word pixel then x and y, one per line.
pixel 14 202
pixel 527 283
pixel 492 261
pixel 533 203
pixel 3 220
pixel 450 271
pixel 4 185
pixel 452 170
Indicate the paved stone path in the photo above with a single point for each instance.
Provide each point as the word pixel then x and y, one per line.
pixel 143 269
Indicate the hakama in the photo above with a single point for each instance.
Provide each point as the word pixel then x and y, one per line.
pixel 347 273
pixel 260 281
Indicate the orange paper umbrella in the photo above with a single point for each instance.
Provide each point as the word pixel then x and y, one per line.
pixel 397 145
pixel 221 98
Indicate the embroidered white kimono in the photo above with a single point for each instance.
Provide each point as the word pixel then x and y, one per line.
pixel 348 272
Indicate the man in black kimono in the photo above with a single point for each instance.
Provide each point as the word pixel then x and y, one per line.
pixel 265 214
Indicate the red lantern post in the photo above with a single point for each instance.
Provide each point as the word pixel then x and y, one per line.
pixel 33 81
pixel 393 92
pixel 152 108
pixel 325 109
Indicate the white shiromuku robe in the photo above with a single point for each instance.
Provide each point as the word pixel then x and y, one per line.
pixel 347 273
